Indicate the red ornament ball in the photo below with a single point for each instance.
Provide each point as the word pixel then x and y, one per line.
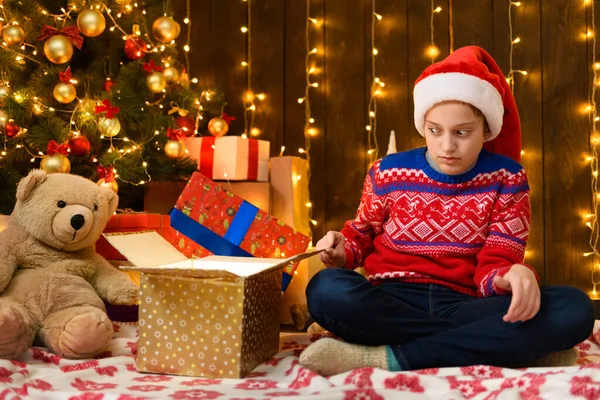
pixel 135 48
pixel 188 125
pixel 11 129
pixel 79 145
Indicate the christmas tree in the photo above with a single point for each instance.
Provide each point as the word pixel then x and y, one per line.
pixel 97 88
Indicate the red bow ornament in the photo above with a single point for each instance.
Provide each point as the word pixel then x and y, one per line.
pixel 108 108
pixel 227 118
pixel 149 67
pixel 71 33
pixel 65 76
pixel 54 148
pixel 176 134
pixel 107 173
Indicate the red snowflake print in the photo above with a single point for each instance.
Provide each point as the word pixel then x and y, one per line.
pixel 360 378
pixel 80 366
pixel 153 378
pixel 483 371
pixel 35 384
pixel 404 382
pixel 291 368
pixel 147 388
pixel 585 387
pixel 258 384
pixel 362 394
pixel 48 358
pixel 5 375
pixel 88 396
pixel 428 371
pixel 584 346
pixel 469 389
pixel 282 394
pixel 116 328
pixel 23 372
pixel 19 364
pixel 305 376
pixel 528 385
pixel 131 367
pixel 104 354
pixel 91 385
pixel 109 370
pixel 195 394
pixel 201 382
pixel 130 397
pixel 590 366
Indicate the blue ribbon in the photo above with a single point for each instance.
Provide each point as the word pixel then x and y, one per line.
pixel 208 239
pixel 241 223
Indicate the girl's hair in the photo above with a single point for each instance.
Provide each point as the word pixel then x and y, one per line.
pixel 477 112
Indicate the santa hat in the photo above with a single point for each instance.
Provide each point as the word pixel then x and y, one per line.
pixel 472 76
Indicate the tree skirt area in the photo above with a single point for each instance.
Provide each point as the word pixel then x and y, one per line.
pixel 42 375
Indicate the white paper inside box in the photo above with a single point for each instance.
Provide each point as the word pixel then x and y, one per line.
pixel 210 317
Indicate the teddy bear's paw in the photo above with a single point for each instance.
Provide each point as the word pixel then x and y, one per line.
pixel 16 330
pixel 123 295
pixel 77 332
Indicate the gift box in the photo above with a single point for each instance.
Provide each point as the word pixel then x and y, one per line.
pixel 159 197
pixel 226 224
pixel 132 222
pixel 289 182
pixel 213 317
pixel 231 158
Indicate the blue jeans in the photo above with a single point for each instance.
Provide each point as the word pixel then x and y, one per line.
pixel 431 326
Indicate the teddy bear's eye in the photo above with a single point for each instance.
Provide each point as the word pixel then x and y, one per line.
pixel 61 204
pixel 95 207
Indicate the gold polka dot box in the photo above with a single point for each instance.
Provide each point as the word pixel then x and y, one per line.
pixel 210 317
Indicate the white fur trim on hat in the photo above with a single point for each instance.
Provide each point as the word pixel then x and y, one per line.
pixel 458 86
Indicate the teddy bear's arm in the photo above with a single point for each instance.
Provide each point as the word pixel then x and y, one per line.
pixel 113 285
pixel 11 241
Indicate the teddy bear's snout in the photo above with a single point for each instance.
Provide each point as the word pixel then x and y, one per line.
pixel 77 221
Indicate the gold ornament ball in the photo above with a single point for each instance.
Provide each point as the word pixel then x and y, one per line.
pixel 112 185
pixel 175 149
pixel 109 127
pixel 55 163
pixel 4 93
pixel 13 35
pixel 156 82
pixel 171 74
pixel 91 23
pixel 218 127
pixel 64 92
pixel 165 29
pixel 58 49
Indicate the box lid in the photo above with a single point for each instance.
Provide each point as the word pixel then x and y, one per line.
pixel 151 253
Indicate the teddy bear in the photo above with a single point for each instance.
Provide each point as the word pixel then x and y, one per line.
pixel 52 281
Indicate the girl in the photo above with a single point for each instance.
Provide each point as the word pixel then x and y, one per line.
pixel 441 232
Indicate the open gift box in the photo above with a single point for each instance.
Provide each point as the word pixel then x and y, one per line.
pixel 212 317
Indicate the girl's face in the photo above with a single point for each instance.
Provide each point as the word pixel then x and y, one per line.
pixel 454 134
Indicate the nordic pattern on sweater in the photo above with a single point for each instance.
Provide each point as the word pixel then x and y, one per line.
pixel 417 225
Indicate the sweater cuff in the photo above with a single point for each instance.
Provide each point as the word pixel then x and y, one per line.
pixel 488 288
pixel 350 257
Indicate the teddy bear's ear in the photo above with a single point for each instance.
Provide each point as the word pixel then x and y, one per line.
pixel 30 182
pixel 113 200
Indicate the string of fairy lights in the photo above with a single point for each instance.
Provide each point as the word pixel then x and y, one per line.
pixel 84 106
pixel 591 110
pixel 249 97
pixel 375 91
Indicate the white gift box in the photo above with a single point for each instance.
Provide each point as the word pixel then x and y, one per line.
pixel 231 157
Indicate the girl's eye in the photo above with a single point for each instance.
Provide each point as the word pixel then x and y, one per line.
pixel 434 130
pixel 462 133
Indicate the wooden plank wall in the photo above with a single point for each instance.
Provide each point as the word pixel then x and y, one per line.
pixel 550 97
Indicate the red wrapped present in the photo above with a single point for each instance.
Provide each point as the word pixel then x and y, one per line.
pixel 226 225
pixel 132 222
